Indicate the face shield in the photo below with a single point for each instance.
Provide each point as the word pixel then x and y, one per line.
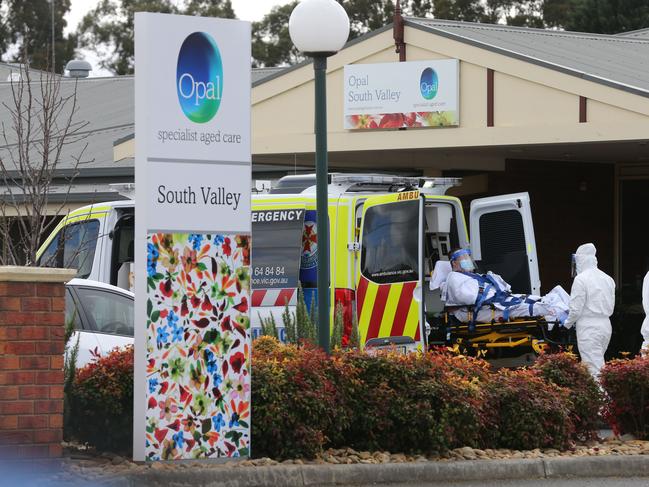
pixel 461 261
pixel 573 265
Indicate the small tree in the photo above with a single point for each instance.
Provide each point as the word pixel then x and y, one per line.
pixel 290 327
pixel 354 338
pixel 43 140
pixel 337 334
pixel 268 326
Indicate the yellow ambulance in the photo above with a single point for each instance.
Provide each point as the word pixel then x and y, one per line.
pixel 387 233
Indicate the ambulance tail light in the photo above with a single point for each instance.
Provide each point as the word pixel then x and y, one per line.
pixel 346 298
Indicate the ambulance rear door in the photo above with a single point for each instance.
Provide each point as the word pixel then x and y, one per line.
pixel 388 270
pixel 275 260
pixel 502 240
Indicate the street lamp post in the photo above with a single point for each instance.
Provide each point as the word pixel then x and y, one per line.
pixel 319 28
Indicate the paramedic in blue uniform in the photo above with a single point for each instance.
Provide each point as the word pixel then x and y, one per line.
pixel 592 299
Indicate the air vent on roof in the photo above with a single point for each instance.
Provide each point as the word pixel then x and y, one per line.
pixel 78 68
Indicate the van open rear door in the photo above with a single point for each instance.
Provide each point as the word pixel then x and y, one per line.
pixel 389 267
pixel 502 240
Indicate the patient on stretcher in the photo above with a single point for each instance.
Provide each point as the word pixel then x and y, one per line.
pixel 480 298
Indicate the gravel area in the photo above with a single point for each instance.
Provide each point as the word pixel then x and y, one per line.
pixel 79 463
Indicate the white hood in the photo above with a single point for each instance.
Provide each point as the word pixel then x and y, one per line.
pixel 585 257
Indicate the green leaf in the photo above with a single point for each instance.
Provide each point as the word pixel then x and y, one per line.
pixel 155 315
pixel 149 307
pixel 201 266
pixel 158 277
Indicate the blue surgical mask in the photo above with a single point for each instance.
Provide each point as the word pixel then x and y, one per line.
pixel 466 265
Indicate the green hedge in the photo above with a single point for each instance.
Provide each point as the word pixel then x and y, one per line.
pixel 304 401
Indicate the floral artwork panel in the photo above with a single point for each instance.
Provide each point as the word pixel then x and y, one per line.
pixel 198 346
pixel 447 118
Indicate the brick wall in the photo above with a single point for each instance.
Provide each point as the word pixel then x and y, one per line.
pixel 32 315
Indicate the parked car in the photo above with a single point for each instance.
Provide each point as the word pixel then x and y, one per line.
pixel 102 315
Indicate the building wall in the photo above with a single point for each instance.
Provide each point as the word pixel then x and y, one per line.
pixel 532 104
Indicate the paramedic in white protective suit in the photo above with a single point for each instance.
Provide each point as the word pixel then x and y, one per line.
pixel 645 304
pixel 592 299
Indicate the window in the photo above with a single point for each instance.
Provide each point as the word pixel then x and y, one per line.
pixel 51 257
pixel 107 311
pixel 276 248
pixel 389 250
pixel 71 311
pixel 80 241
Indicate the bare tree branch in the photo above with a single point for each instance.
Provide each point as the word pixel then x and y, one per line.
pixel 42 130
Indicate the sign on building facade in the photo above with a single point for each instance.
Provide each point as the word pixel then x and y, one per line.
pixel 192 290
pixel 397 95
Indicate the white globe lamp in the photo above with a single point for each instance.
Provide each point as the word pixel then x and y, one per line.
pixel 319 27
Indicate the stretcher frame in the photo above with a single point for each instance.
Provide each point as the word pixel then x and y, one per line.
pixel 532 332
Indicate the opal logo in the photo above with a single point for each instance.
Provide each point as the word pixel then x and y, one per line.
pixel 428 83
pixel 199 77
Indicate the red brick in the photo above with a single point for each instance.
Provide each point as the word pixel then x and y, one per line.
pixel 56 392
pixel 32 422
pixel 48 407
pixel 17 378
pixel 9 362
pixel 32 318
pixel 34 392
pixel 8 422
pixel 20 348
pixel 18 318
pixel 50 289
pixel 35 304
pixel 16 407
pixel 8 452
pixel 32 333
pixel 27 363
pixel 58 304
pixel 50 377
pixel 56 362
pixel 55 451
pixel 8 393
pixel 17 289
pixel 9 304
pixel 56 420
pixel 57 333
pixel 52 318
pixel 16 437
pixel 50 348
pixel 48 436
pixel 8 333
pixel 33 451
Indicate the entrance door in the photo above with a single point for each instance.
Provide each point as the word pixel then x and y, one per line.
pixel 388 268
pixel 502 240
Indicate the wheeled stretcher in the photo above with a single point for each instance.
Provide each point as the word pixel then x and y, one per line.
pixel 500 338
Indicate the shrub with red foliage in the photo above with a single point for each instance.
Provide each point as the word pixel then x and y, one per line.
pixel 295 403
pixel 564 370
pixel 531 413
pixel 101 402
pixel 626 383
pixel 412 402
